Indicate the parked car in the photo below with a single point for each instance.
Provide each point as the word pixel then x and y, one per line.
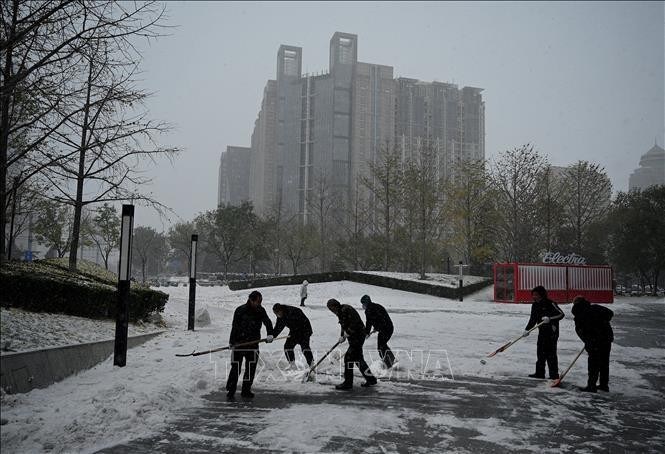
pixel 636 290
pixel 620 290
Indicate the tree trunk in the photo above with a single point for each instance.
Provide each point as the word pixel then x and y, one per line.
pixel 655 282
pixel 78 204
pixel 386 250
pixel 143 266
pixel 5 99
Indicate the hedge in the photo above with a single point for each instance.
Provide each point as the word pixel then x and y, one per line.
pixel 47 286
pixel 365 278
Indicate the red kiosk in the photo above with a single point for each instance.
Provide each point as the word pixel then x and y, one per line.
pixel 513 282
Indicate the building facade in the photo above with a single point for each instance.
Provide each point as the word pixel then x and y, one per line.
pixel 233 182
pixel 319 133
pixel 651 170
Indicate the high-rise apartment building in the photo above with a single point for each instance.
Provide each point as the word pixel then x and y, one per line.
pixel 450 120
pixel 320 132
pixel 262 170
pixel 233 182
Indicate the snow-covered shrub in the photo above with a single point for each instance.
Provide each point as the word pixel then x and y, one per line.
pixel 47 286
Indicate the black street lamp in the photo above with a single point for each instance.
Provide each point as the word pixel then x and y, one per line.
pixel 124 276
pixel 192 283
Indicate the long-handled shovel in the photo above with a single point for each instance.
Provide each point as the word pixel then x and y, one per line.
pixel 558 381
pixel 305 378
pixel 504 347
pixel 336 357
pixel 229 347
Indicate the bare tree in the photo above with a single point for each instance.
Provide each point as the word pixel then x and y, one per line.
pixel 515 176
pixel 549 204
pixel 299 243
pixel 586 192
pixel 148 247
pixel 320 207
pixel 180 240
pixel 426 188
pixel 384 182
pixel 53 227
pixel 473 212
pixel 226 232
pixel 353 224
pixel 41 49
pixel 105 231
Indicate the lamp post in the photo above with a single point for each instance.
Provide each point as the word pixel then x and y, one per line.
pixel 461 280
pixel 192 283
pixel 124 276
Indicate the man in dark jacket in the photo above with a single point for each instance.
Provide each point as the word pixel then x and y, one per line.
pixel 353 329
pixel 592 325
pixel 378 317
pixel 545 310
pixel 247 320
pixel 300 330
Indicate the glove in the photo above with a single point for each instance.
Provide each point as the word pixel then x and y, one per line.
pixel 269 338
pixel 526 334
pixel 342 338
pixel 545 319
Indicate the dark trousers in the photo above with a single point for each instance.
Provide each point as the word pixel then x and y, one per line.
pixel 385 352
pixel 354 356
pixel 250 356
pixel 546 353
pixel 290 344
pixel 599 365
pixel 302 300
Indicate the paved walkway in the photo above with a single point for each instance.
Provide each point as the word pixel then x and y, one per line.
pixel 468 414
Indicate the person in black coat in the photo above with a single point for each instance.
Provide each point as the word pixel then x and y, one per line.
pixel 353 329
pixel 378 318
pixel 300 330
pixel 246 327
pixel 545 310
pixel 592 325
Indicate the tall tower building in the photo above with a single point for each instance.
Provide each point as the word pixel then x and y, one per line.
pixel 321 132
pixel 233 184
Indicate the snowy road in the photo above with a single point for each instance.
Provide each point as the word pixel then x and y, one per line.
pixel 440 399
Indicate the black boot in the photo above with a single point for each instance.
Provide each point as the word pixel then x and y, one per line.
pixel 344 386
pixel 246 392
pixel 539 376
pixel 588 389
pixel 371 381
pixel 605 388
pixel 231 396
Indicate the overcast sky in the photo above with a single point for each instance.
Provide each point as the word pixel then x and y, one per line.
pixel 577 80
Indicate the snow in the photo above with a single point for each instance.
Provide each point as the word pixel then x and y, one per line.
pixel 435 338
pixel 322 422
pixel 25 330
pixel 444 280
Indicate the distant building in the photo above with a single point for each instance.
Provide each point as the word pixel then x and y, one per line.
pixel 651 170
pixel 321 132
pixel 233 185
pixel 263 157
pixel 451 120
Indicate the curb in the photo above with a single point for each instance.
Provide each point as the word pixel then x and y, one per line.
pixel 22 372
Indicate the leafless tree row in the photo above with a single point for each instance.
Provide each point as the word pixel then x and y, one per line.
pixel 74 125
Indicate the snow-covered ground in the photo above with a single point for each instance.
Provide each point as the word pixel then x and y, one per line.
pixel 24 330
pixel 436 339
pixel 444 280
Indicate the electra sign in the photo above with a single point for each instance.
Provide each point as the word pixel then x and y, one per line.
pixel 570 259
